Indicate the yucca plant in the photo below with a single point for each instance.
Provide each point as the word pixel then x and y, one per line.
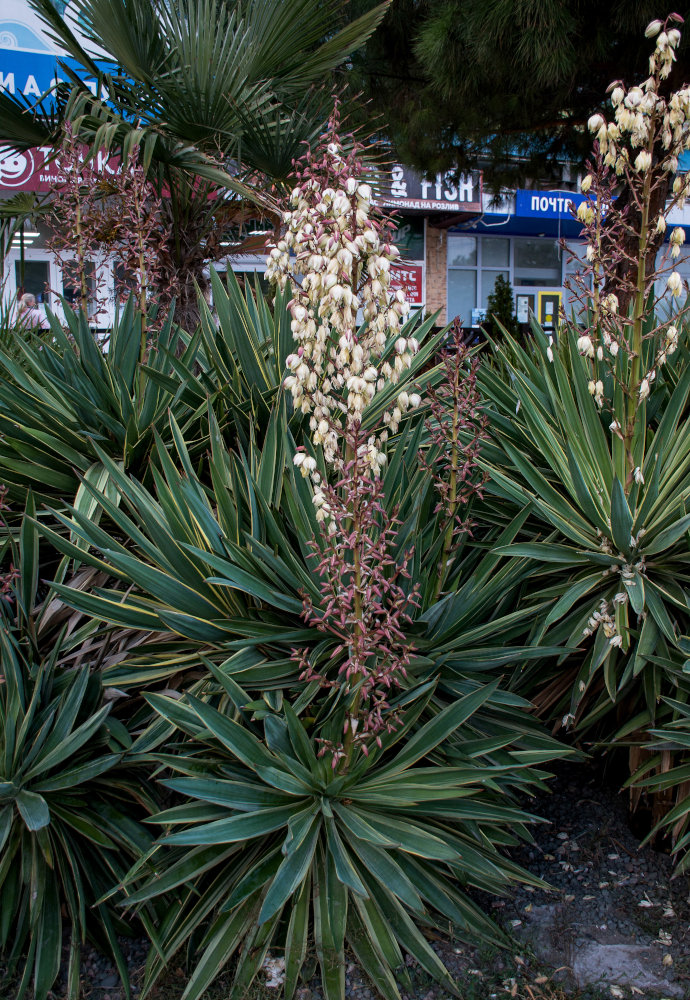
pixel 59 400
pixel 228 567
pixel 591 439
pixel 274 850
pixel 619 549
pixel 70 808
pixel 325 576
pixel 234 588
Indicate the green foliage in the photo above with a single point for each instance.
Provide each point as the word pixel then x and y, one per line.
pixel 666 772
pixel 500 309
pixel 70 809
pixel 224 563
pixel 66 402
pixel 504 84
pixel 272 848
pixel 596 534
pixel 62 401
pixel 189 570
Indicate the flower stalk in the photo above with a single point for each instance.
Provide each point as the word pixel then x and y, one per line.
pixel 625 227
pixel 336 253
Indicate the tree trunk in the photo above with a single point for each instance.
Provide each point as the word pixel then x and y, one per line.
pixel 192 283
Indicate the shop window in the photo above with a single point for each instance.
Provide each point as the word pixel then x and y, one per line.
pixel 462 294
pixel 33 276
pixel 488 283
pixel 537 263
pixel 495 252
pixel 462 251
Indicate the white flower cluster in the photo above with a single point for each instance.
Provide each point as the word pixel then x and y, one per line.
pixel 637 112
pixel 596 389
pixel 648 132
pixel 603 619
pixel 343 258
pixel 669 346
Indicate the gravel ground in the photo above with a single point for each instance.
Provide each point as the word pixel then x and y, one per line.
pixel 612 900
pixel 610 903
pixel 589 854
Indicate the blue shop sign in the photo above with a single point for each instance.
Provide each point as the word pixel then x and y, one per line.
pixel 547 204
pixel 31 74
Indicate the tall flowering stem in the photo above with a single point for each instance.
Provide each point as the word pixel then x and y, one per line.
pixel 625 228
pixel 78 215
pixel 335 252
pixel 116 217
pixel 365 606
pixel 456 429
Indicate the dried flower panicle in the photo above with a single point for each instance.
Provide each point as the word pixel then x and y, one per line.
pixel 457 427
pixel 140 241
pixel 365 606
pixel 115 216
pixel 78 215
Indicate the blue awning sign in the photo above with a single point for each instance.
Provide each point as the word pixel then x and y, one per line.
pixel 547 204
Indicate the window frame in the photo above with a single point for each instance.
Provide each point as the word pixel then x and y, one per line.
pixel 493 270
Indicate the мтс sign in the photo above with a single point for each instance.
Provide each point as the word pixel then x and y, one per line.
pixel 408 276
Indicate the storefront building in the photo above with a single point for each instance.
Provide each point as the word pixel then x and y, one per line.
pixel 531 237
pixel 28 63
pixel 455 237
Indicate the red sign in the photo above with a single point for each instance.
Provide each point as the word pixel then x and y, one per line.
pixel 34 170
pixel 408 277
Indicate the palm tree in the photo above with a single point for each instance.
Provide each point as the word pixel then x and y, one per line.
pixel 217 97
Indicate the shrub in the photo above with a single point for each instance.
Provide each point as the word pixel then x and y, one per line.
pixel 326 579
pixel 70 810
pixel 500 309
pixel 592 437
pixel 60 401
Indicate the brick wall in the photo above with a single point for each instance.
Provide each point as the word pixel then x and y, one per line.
pixel 436 271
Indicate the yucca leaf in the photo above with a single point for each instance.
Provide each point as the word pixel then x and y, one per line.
pixel 439 728
pixel 664 539
pixel 235 828
pixel 296 938
pixel 292 871
pixel 221 945
pixel 344 867
pixel 33 809
pixel 621 518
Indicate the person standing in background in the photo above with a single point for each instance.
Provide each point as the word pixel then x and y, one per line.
pixel 29 315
